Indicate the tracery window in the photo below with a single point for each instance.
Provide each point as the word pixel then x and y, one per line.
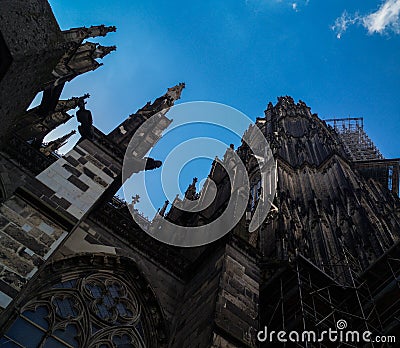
pixel 96 311
pixel 2 191
pixel 255 192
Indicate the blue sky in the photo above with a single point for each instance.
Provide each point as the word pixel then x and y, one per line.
pixel 341 57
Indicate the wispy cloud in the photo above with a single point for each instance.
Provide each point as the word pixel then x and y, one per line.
pixel 295 5
pixel 386 19
pixel 343 22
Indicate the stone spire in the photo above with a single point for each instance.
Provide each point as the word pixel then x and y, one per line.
pixel 80 60
pixel 102 51
pixel 164 208
pixel 191 192
pixel 100 30
pixel 164 102
pixel 174 93
pixel 77 35
pixel 123 133
pixel 56 144
pixel 80 56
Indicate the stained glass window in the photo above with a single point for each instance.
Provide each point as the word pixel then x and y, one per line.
pixel 95 311
pixel 255 192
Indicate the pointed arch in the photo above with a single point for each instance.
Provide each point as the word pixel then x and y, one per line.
pixel 3 194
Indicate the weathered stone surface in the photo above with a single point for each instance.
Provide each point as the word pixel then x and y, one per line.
pixel 34 51
pixel 18 234
pixel 12 176
pixel 219 342
pixel 12 279
pixel 237 303
pixel 193 325
pixel 8 243
pixel 26 237
pixel 15 262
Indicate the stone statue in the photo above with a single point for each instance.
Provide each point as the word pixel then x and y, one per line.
pixel 151 163
pixel 84 117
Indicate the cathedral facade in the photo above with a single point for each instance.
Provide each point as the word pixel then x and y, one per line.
pixel 77 271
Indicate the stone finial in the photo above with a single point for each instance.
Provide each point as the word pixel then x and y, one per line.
pixel 175 92
pixel 135 200
pixel 164 208
pixel 102 51
pixel 191 193
pixel 285 100
pixel 93 50
pixel 164 102
pixel 301 103
pixel 100 30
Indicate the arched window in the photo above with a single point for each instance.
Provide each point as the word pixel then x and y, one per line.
pixel 2 191
pixel 255 192
pixel 96 309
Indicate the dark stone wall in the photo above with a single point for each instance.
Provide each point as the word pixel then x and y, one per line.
pixel 12 176
pixel 194 322
pixel 220 303
pixel 238 297
pixel 33 39
pixel 28 26
pixel 27 238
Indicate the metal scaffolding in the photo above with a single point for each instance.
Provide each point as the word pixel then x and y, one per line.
pixel 301 297
pixel 385 171
pixel 365 156
pixel 356 142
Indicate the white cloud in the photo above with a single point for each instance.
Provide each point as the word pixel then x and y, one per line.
pixel 385 19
